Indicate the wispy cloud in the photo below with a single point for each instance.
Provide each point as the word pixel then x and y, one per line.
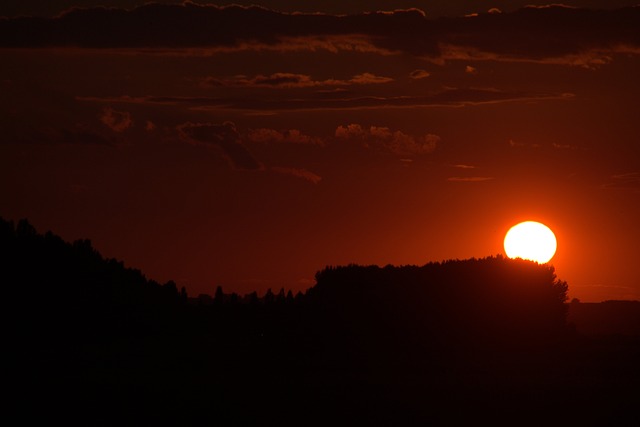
pixel 299 173
pixel 341 101
pixel 567 146
pixel 518 144
pixel 291 80
pixel 419 74
pixel 628 181
pixel 470 178
pixel 117 121
pixel 225 137
pixel 228 139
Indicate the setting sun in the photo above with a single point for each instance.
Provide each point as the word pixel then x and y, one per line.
pixel 530 240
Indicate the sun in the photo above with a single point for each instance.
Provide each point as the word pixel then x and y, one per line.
pixel 530 240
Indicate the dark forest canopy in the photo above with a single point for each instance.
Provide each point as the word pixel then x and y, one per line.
pixel 453 300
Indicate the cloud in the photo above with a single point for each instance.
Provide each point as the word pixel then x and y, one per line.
pixel 554 34
pixel 566 146
pixel 307 43
pixel 368 78
pixel 445 98
pixel 551 34
pixel 470 178
pixel 291 136
pixel 466 167
pixel 285 80
pixel 224 136
pixel 419 74
pixel 554 145
pixel 352 131
pixel 117 121
pixel 383 138
pixel 290 80
pixel 190 25
pixel 299 173
pixel 590 58
pixel 629 181
pixel 470 70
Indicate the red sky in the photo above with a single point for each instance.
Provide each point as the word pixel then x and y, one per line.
pixel 249 148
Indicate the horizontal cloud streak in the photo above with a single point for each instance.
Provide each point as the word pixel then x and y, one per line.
pixel 553 34
pixel 419 74
pixel 446 98
pixel 298 173
pixel 469 178
pixel 291 80
pixel 628 181
pixel 192 25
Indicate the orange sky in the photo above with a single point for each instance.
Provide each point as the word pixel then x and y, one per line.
pixel 249 148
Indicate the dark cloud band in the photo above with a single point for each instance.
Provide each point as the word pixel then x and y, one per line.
pixel 531 32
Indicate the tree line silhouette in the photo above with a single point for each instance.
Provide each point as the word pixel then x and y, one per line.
pixel 93 342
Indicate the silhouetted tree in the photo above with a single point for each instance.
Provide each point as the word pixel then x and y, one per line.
pixel 253 298
pixel 234 298
pixel 218 298
pixel 269 297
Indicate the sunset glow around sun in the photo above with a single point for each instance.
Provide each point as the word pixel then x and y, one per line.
pixel 532 241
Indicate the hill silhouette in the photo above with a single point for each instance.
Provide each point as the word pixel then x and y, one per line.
pixel 92 342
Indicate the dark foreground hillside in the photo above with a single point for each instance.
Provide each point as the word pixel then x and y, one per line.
pixel 607 318
pixel 474 342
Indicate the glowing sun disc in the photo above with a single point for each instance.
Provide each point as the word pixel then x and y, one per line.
pixel 530 240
